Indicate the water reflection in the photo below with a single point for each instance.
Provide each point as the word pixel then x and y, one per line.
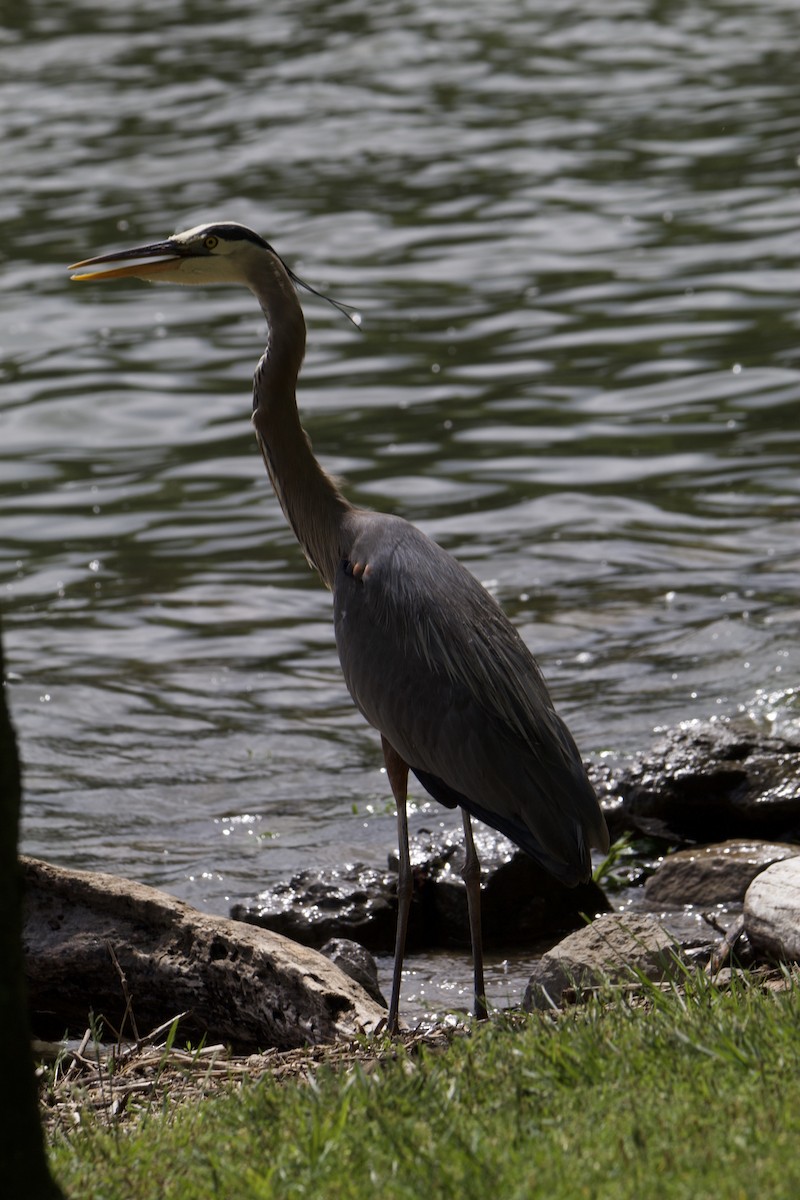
pixel 572 232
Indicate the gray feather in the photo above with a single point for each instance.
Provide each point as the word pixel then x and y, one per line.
pixel 432 662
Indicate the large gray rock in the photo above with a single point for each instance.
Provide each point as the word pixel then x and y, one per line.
pixel 244 986
pixel 617 948
pixel 772 911
pixel 718 874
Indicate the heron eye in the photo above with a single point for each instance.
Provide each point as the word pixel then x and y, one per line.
pixel 210 242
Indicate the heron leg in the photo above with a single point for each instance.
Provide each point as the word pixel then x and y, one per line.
pixel 397 771
pixel 471 874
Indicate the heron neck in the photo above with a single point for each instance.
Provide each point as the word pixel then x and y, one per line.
pixel 310 499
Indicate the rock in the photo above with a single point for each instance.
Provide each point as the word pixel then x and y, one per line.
pixel 718 874
pixel 706 781
pixel 617 947
pixel 356 962
pixel 353 902
pixel 249 988
pixel 521 904
pixel 772 911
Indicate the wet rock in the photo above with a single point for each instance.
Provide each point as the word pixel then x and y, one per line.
pixel 356 962
pixel 353 902
pixel 249 988
pixel 718 874
pixel 521 904
pixel 772 911
pixel 615 948
pixel 706 782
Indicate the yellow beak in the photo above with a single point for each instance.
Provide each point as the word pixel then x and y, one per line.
pixel 143 262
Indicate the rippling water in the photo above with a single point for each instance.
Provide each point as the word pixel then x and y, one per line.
pixel 572 230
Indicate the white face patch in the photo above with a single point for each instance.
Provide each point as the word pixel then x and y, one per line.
pixel 194 235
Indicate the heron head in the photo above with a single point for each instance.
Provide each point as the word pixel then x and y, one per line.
pixel 224 252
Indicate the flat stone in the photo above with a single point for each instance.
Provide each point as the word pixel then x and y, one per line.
pixel 617 947
pixel 772 911
pixel 717 874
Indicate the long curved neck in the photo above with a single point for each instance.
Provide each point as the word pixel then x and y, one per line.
pixel 310 499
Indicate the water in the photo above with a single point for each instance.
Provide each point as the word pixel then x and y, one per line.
pixel 572 232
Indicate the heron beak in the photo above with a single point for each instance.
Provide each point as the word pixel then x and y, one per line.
pixel 143 262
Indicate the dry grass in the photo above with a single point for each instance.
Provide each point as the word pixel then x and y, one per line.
pixel 98 1084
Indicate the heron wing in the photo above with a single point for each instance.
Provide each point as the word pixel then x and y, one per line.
pixel 432 662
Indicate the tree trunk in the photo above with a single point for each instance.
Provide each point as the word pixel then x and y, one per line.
pixel 23 1163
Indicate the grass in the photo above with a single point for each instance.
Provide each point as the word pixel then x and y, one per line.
pixel 694 1093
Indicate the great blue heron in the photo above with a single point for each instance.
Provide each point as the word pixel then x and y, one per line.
pixel 428 656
